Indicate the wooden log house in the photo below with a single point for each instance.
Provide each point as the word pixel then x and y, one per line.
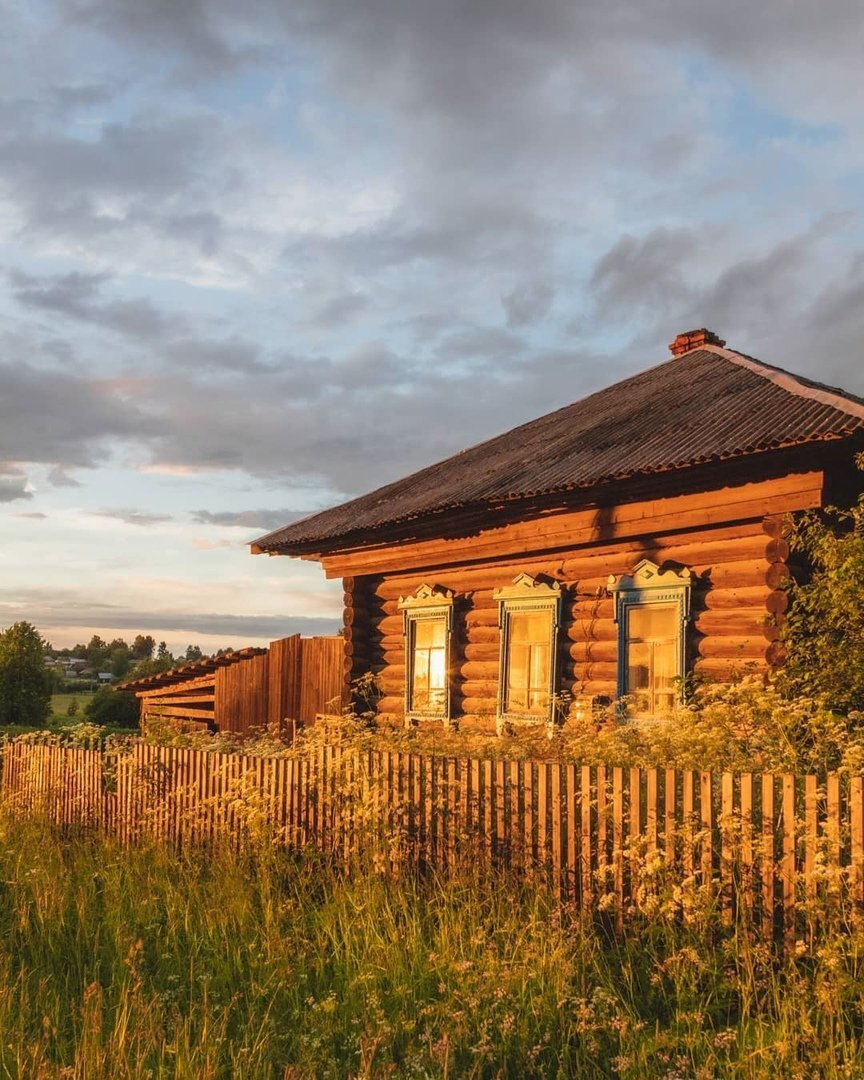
pixel 601 552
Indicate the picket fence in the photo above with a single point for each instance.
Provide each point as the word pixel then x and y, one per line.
pixel 766 845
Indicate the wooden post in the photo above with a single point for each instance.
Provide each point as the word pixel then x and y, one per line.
pixel 571 818
pixel 811 826
pixel 559 866
pixel 635 829
pixel 788 876
pixel 767 862
pixel 669 817
pixel 618 841
pixel 585 840
pixel 727 853
pixel 687 854
pixel 747 882
pixel 500 813
pixel 543 826
pixel 602 830
pixel 856 816
pixel 514 831
pixel 707 821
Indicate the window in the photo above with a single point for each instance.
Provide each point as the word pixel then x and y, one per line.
pixel 428 624
pixel 651 609
pixel 528 618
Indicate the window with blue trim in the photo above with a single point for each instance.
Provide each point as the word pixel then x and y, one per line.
pixel 652 609
pixel 428 623
pixel 528 617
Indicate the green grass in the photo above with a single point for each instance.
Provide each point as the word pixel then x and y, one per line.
pixel 60 705
pixel 59 718
pixel 131 963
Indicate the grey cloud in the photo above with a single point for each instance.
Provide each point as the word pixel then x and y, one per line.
pixel 132 517
pixel 234 355
pixel 44 610
pixel 37 515
pixel 64 419
pixel 478 345
pixel 340 309
pixel 196 29
pixel 151 172
pixel 60 477
pixel 82 95
pixel 13 484
pixel 528 302
pixel 249 519
pixel 637 274
pixel 338 442
pixel 80 296
pixel 77 295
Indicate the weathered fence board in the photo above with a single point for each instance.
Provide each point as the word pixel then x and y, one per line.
pixel 764 846
pixel 290 682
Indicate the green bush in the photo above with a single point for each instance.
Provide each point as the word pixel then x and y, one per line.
pixel 113 708
pixel 824 627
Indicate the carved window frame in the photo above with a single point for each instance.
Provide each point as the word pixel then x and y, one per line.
pixel 526 594
pixel 427 604
pixel 647 584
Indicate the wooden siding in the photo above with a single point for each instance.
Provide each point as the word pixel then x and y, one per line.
pixel 730 539
pixel 293 681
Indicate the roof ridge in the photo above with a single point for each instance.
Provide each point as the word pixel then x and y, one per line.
pixel 791 383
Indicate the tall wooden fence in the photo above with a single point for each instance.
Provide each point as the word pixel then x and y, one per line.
pixel 292 680
pixel 768 845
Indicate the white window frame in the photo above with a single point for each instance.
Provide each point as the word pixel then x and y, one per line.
pixel 526 594
pixel 428 603
pixel 645 585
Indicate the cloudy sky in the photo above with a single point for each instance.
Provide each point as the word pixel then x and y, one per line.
pixel 257 257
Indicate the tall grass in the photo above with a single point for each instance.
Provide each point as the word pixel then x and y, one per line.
pixel 146 962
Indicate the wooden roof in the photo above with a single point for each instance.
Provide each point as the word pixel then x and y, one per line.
pixel 709 404
pixel 193 670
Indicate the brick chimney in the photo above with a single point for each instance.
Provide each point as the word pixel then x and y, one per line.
pixel 693 339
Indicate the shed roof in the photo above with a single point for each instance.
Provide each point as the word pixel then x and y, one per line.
pixel 709 404
pixel 193 670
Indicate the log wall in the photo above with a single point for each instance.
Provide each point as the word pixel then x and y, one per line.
pixel 733 548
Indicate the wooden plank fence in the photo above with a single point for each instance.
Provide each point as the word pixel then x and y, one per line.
pixel 290 682
pixel 762 845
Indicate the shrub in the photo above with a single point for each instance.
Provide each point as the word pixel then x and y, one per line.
pixel 113 708
pixel 824 627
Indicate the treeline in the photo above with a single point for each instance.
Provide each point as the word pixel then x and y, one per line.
pixel 27 681
pixel 140 657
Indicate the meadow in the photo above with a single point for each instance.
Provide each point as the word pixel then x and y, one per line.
pixel 136 962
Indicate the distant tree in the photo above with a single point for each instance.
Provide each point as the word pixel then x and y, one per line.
pixel 193 652
pixel 163 653
pixel 143 646
pixel 97 652
pixel 25 683
pixel 120 661
pixel 151 667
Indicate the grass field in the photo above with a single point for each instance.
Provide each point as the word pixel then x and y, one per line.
pixel 59 717
pixel 60 705
pixel 117 963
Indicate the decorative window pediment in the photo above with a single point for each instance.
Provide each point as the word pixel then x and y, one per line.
pixel 528 615
pixel 428 627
